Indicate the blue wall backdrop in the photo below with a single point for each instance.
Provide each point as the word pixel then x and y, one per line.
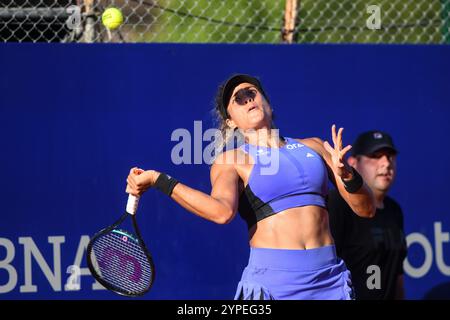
pixel 75 118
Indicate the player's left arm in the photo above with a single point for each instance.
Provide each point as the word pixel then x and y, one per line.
pixel 362 202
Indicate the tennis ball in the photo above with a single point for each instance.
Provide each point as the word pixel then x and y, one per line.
pixel 112 18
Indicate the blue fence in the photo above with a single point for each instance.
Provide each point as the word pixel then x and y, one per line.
pixel 75 118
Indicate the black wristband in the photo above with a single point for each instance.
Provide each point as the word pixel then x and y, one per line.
pixel 352 186
pixel 165 183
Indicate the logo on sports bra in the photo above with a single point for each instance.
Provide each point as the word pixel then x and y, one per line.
pixel 294 146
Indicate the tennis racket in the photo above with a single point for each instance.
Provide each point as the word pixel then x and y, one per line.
pixel 119 259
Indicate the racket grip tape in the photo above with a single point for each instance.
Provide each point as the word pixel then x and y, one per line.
pixel 132 204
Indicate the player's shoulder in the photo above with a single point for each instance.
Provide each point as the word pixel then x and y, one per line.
pixel 314 143
pixel 222 156
pixel 229 158
pixel 314 140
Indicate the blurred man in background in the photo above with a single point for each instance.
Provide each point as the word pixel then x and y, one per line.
pixel 373 249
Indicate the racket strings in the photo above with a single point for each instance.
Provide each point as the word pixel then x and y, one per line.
pixel 122 263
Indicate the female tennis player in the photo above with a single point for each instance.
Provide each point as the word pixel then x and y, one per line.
pixel 292 253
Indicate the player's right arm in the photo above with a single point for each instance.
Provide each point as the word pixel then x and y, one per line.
pixel 220 206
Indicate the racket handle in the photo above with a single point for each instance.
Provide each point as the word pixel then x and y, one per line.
pixel 132 204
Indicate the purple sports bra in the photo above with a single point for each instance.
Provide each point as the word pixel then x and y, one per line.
pixel 282 178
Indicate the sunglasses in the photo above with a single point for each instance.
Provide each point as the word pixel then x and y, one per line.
pixel 380 153
pixel 245 94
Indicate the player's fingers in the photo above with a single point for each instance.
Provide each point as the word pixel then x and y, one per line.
pixel 345 150
pixel 333 134
pixel 339 138
pixel 130 180
pixel 132 170
pixel 328 147
pixel 129 190
pixel 132 184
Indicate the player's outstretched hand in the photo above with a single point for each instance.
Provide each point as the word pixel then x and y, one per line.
pixel 337 153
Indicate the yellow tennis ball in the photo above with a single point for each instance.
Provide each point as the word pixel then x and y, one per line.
pixel 112 18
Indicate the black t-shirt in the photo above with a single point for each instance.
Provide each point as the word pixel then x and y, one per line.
pixel 364 242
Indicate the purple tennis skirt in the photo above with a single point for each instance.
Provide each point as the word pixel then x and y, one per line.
pixel 312 274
